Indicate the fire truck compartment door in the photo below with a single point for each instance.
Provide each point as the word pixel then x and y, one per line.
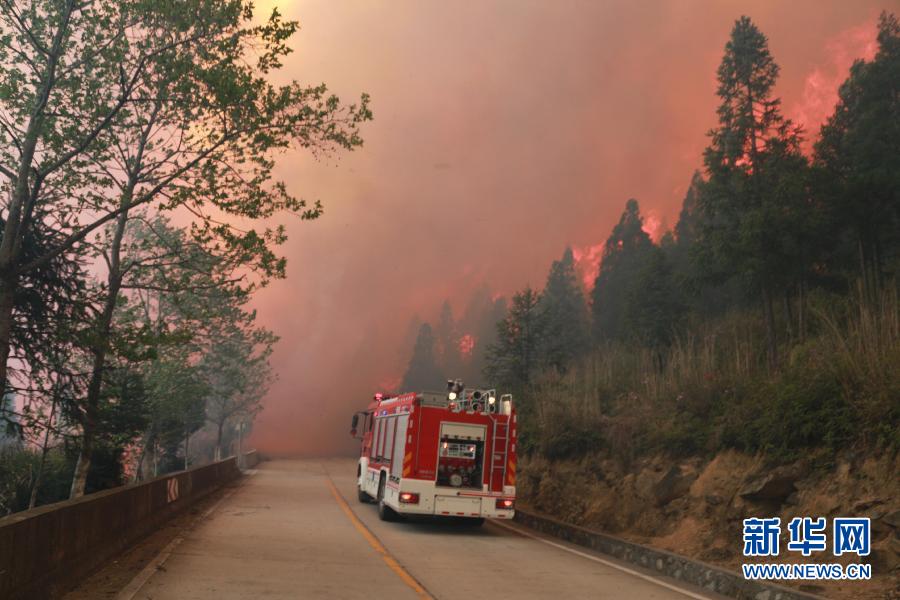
pixel 456 505
pixel 461 431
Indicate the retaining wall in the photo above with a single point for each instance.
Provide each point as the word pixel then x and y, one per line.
pixel 48 549
pixel 678 567
pixel 251 459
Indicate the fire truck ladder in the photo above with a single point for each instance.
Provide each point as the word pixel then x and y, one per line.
pixel 498 459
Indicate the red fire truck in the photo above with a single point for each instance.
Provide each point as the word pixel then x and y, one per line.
pixel 428 453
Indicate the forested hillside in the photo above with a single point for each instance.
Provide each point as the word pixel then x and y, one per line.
pixel 763 330
pixel 766 320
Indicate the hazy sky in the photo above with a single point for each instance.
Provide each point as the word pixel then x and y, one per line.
pixel 503 132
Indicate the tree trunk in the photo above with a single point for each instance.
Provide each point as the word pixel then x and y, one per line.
pixel 187 439
pixel 138 476
pixel 114 285
pixel 218 455
pixel 21 197
pixel 240 446
pixel 789 315
pixel 35 486
pixel 7 301
pixel 103 329
pixel 143 471
pixel 771 343
pixel 79 479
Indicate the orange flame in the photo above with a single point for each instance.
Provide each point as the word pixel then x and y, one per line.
pixel 466 345
pixel 653 225
pixel 820 90
pixel 587 263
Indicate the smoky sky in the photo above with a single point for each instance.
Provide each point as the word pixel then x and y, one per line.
pixel 503 132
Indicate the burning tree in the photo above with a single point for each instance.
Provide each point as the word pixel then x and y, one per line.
pixel 754 203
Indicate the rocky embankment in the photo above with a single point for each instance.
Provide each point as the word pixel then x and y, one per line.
pixel 695 507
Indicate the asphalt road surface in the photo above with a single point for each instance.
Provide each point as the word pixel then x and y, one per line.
pixel 294 529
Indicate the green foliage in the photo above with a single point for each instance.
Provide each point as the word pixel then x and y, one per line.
pixel 113 112
pixel 623 253
pixel 423 372
pixel 478 326
pixel 447 338
pixel 688 333
pixel 753 205
pixel 802 409
pixel 714 391
pixel 18 467
pixel 565 435
pixel 653 310
pixel 858 164
pixel 565 317
pixel 516 357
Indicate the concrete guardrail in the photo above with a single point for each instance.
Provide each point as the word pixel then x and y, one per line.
pixel 48 549
pixel 712 578
pixel 251 459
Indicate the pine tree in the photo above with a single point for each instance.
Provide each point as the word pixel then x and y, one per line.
pixel 423 372
pixel 477 328
pixel 686 228
pixel 447 337
pixel 565 315
pixel 754 202
pixel 653 309
pixel 516 357
pixel 622 255
pixel 486 338
pixel 858 162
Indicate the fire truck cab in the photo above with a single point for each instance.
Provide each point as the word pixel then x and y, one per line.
pixel 430 453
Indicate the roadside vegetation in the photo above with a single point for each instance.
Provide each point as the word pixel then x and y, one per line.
pixel 137 147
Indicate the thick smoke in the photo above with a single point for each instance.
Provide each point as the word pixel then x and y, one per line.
pixel 503 132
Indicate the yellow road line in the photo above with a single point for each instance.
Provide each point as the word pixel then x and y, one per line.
pixel 389 560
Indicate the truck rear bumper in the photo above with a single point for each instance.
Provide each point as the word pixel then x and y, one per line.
pixel 433 500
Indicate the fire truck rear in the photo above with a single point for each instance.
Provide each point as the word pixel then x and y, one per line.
pixel 430 453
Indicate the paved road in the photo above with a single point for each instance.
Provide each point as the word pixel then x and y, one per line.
pixel 287 532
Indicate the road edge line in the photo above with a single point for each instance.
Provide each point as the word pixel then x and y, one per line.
pixel 603 561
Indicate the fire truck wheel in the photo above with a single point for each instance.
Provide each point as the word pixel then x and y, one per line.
pixel 474 522
pixel 363 497
pixel 385 512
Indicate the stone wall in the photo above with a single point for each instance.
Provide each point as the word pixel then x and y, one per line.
pixel 666 563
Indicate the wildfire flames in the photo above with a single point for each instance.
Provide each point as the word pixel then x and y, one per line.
pixel 634 125
pixel 466 345
pixel 820 89
pixel 587 263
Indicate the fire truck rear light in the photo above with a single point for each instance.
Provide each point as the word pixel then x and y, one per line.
pixel 409 498
pixel 505 504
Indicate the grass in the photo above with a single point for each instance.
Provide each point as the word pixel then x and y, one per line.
pixel 836 386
